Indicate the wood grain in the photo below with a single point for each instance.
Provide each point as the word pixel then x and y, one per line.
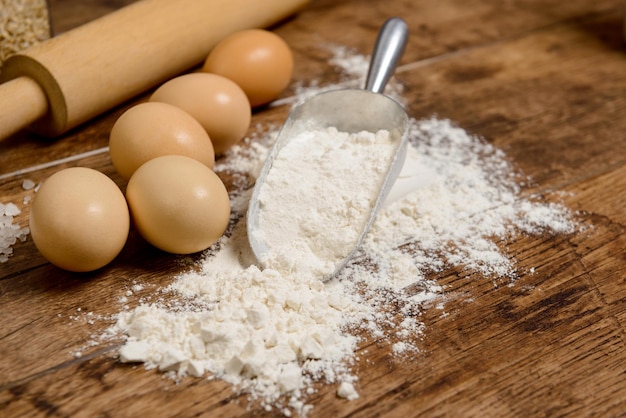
pixel 545 81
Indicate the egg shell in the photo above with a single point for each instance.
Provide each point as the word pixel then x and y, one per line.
pixel 178 204
pixel 79 219
pixel 219 104
pixel 150 130
pixel 259 61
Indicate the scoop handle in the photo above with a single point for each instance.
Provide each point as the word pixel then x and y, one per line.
pixel 389 47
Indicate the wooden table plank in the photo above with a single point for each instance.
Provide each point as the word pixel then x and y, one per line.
pixel 544 81
pixel 538 98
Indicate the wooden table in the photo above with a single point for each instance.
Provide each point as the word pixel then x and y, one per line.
pixel 545 81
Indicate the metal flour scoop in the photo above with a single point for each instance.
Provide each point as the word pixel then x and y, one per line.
pixel 352 111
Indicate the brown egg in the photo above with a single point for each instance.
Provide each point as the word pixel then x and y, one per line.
pixel 259 61
pixel 178 204
pixel 219 104
pixel 79 219
pixel 150 130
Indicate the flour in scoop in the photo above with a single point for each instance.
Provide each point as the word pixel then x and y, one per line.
pixel 318 197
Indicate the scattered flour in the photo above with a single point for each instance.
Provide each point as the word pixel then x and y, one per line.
pixel 28 184
pixel 274 334
pixel 455 199
pixel 317 198
pixel 346 390
pixel 10 233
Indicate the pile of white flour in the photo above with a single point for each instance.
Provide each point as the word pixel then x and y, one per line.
pixel 317 198
pixel 273 333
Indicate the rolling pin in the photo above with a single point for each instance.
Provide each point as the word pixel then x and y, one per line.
pixel 60 83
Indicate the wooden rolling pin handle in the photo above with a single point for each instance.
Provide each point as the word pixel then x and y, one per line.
pixel 22 102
